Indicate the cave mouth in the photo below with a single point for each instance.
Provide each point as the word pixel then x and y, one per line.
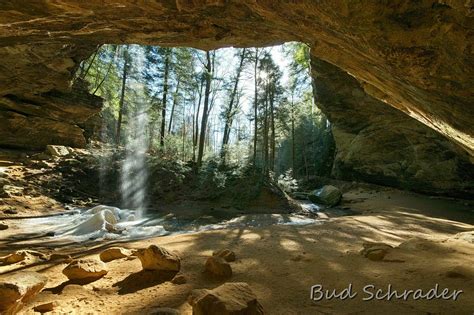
pixel 229 106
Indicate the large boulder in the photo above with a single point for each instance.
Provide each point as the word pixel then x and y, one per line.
pixel 218 267
pixel 158 258
pixel 85 269
pixel 234 298
pixel 18 288
pixel 327 195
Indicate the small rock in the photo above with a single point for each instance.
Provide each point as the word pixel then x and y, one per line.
pixel 227 254
pixel 164 311
pixel 10 211
pixel 179 279
pixel 218 267
pixel 114 253
pixel 57 150
pixel 327 195
pixel 3 226
pixel 158 258
pixel 85 269
pixel 46 307
pixel 229 298
pixel 375 251
pixel 13 258
pixel 18 288
pixel 61 257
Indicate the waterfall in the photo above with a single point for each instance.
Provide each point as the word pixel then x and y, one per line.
pixel 134 171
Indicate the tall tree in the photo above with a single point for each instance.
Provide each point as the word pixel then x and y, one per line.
pixel 205 111
pixel 231 110
pixel 126 65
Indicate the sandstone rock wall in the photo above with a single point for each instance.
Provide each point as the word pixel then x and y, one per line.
pixel 379 144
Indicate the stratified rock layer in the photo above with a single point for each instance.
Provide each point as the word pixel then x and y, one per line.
pixel 379 144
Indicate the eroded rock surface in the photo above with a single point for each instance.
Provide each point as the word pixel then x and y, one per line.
pixel 159 259
pixel 230 298
pixel 379 144
pixel 18 288
pixel 85 269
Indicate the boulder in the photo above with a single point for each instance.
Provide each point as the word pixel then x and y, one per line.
pixel 85 269
pixel 114 253
pixel 230 298
pixel 18 288
pixel 327 195
pixel 227 254
pixel 45 307
pixel 57 150
pixel 158 258
pixel 218 267
pixel 375 251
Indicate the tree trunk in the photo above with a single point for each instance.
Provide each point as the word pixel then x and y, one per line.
pixel 107 72
pixel 165 95
pixel 265 133
pixel 205 111
pixel 293 138
pixel 122 95
pixel 255 109
pixel 196 121
pixel 272 137
pixel 175 100
pixel 230 113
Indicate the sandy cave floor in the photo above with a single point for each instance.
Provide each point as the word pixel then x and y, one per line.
pixel 281 263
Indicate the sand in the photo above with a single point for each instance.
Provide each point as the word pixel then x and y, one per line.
pixel 281 263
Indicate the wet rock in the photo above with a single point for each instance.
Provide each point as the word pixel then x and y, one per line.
pixel 375 251
pixel 46 307
pixel 85 269
pixel 179 279
pixel 218 267
pixel 327 195
pixel 158 258
pixel 114 253
pixel 227 254
pixel 18 288
pixel 165 311
pixel 57 150
pixel 230 298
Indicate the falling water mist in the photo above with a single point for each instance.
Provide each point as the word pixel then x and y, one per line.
pixel 134 171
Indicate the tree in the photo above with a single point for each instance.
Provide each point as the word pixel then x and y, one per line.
pixel 205 111
pixel 126 65
pixel 231 110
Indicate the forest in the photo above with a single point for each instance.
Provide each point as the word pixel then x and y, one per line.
pixel 232 106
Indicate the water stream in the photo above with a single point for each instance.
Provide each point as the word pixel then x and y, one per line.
pixel 111 223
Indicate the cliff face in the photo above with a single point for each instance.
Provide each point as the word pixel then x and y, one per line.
pixel 379 144
pixel 414 56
